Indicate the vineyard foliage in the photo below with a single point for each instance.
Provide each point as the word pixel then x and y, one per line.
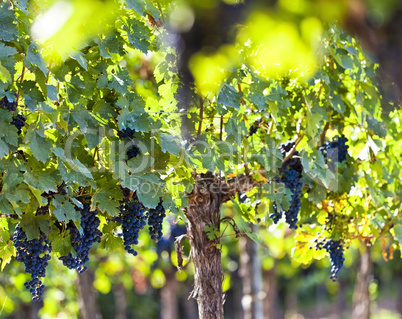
pixel 94 117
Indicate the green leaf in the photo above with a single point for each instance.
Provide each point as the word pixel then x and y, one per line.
pixel 8 133
pixel 236 127
pixel 32 94
pixel 33 225
pixel 6 51
pixel 61 243
pixel 242 226
pixel 19 194
pixel 318 194
pixel 149 188
pixel 120 81
pixel 313 121
pixel 106 203
pixel 170 143
pixel 9 31
pixel 5 75
pixel 376 126
pixel 260 100
pixel 337 103
pixel 315 167
pixel 135 121
pixel 136 5
pixel 7 251
pixel 4 149
pixel 211 231
pixel 110 242
pixel 64 210
pixel 228 96
pixel 80 58
pixel 35 58
pixel 346 62
pixel 44 182
pixel 40 146
pixel 138 35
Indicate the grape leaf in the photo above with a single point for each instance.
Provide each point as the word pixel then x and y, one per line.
pixel 6 51
pixel 7 251
pixel 170 143
pixel 138 35
pixel 40 146
pixel 136 5
pixel 110 242
pixel 241 224
pixel 64 210
pixel 33 225
pixel 61 243
pixel 229 96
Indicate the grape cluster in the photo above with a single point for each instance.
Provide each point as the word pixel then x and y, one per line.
pixel 335 250
pixel 132 219
pixel 19 120
pixel 292 181
pixel 35 254
pixel 155 220
pixel 82 243
pixel 336 150
pixel 254 127
pixel 292 163
pixel 276 215
pixel 128 134
pixel 10 106
pixel 291 173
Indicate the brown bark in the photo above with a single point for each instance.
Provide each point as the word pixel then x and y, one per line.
pixel 204 206
pixel 361 295
pixel 86 296
pixel 169 301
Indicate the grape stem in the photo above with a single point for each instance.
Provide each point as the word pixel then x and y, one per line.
pixel 201 115
pixel 293 149
pixel 21 79
pixel 322 137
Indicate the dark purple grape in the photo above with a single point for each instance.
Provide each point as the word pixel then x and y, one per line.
pixel 335 250
pixel 335 151
pixel 19 122
pixel 155 220
pixel 35 254
pixel 290 174
pixel 132 219
pixel 8 105
pixel 127 134
pixel 254 127
pixel 82 243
